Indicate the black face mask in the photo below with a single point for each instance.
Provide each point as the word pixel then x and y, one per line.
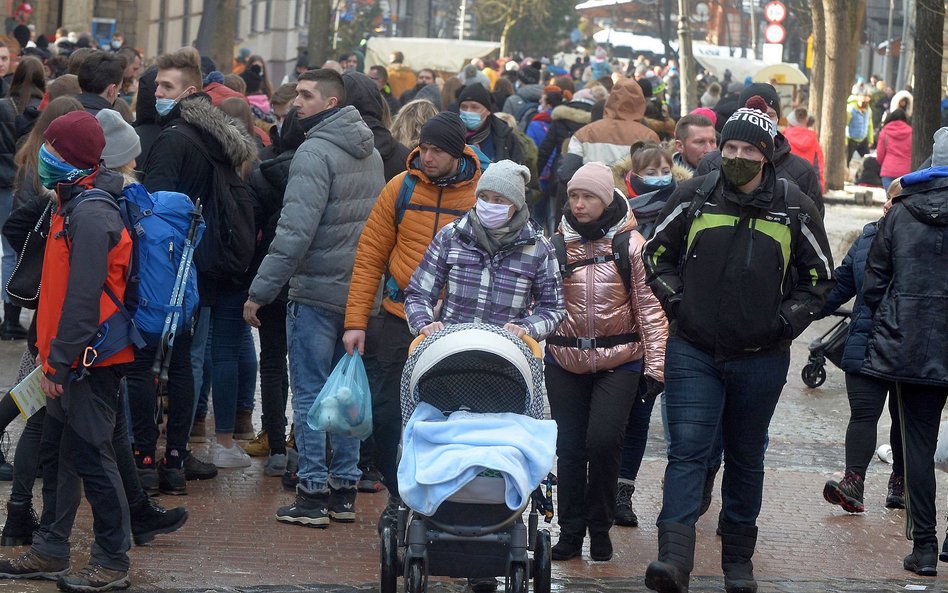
pixel 740 171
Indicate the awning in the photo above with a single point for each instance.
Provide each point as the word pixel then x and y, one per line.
pixel 590 4
pixel 628 39
pixel 782 73
pixel 444 55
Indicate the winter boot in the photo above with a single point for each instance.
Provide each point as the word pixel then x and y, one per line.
pixel 148 519
pixel 20 525
pixel 737 547
pixel 923 560
pixel 895 499
pixel 625 514
pixel 847 493
pixel 676 558
pixel 11 329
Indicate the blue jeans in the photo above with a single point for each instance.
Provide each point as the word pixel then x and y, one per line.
pixel 202 328
pixel 246 372
pixel 314 343
pixel 229 332
pixel 886 182
pixel 701 394
pixel 9 255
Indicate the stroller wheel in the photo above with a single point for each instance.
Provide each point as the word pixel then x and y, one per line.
pixel 517 581
pixel 542 567
pixel 388 561
pixel 415 581
pixel 813 374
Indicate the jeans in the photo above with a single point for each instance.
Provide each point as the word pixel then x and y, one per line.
pixel 591 411
pixel 274 380
pixel 636 436
pixel 229 332
pixel 246 371
pixel 867 397
pixel 202 328
pixel 386 404
pixel 9 255
pixel 921 407
pixel 886 182
pixel 77 454
pixel 702 393
pixel 314 340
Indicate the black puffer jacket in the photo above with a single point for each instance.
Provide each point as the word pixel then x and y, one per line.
pixel 362 94
pixel 146 116
pixel 7 142
pixel 906 288
pixel 566 120
pixel 788 166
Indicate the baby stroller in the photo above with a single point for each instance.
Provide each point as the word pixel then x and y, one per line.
pixel 829 346
pixel 473 533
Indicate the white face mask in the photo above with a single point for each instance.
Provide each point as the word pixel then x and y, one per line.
pixel 492 216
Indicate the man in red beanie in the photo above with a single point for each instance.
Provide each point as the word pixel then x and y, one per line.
pixel 84 278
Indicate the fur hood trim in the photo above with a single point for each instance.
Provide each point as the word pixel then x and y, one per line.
pixel 621 168
pixel 572 114
pixel 237 144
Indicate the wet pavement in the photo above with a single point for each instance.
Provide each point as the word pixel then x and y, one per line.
pixel 233 543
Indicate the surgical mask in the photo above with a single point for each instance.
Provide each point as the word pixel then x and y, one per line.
pixel 471 119
pixel 164 106
pixel 740 171
pixel 492 216
pixel 116 45
pixel 656 180
pixel 53 170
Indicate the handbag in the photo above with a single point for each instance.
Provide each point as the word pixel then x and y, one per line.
pixel 24 284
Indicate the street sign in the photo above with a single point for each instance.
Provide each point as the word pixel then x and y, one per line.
pixel 775 11
pixel 775 33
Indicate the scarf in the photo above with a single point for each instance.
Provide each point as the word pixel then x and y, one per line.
pixel 477 136
pixel 615 214
pixel 493 240
pixel 308 123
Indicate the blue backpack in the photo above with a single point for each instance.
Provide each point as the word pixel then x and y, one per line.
pixel 158 224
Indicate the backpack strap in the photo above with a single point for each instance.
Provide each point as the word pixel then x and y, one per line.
pixel 559 248
pixel 619 255
pixel 404 197
pixel 703 193
pixel 620 252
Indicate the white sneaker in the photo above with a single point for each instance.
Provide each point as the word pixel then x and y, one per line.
pixel 223 457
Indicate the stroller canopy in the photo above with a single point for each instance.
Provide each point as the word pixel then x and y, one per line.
pixel 479 367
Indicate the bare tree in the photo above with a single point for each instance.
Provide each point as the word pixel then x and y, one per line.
pixel 217 31
pixel 319 45
pixel 686 59
pixel 816 72
pixel 926 110
pixel 843 28
pixel 511 12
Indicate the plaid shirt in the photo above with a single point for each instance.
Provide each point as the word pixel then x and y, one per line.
pixel 521 284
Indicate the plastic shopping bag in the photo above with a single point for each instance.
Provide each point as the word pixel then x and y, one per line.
pixel 344 405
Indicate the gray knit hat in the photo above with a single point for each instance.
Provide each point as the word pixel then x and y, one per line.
pixel 508 179
pixel 121 142
pixel 940 148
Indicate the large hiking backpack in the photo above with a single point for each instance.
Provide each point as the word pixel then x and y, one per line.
pixel 158 225
pixel 231 239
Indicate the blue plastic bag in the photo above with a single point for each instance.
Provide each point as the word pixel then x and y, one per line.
pixel 344 405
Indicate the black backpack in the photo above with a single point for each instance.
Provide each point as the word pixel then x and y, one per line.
pixel 230 240
pixel 620 255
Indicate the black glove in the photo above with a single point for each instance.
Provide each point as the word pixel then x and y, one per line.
pixel 671 306
pixel 653 387
pixel 787 331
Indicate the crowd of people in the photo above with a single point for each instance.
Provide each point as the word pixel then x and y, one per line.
pixel 654 255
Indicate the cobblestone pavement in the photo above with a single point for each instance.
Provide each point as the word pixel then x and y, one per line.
pixel 232 542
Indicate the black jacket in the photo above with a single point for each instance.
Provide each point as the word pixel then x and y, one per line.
pixel 362 94
pixel 747 274
pixel 789 166
pixel 906 288
pixel 8 137
pixel 93 103
pixel 566 120
pixel 146 116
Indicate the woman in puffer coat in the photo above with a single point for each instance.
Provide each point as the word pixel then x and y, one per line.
pixel 611 339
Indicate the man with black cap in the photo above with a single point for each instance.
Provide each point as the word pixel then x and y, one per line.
pixel 491 135
pixel 438 187
pixel 789 166
pixel 757 244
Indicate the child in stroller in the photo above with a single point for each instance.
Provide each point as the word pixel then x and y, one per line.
pixel 467 479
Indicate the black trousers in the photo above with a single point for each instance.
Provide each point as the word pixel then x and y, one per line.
pixel 274 380
pixel 921 407
pixel 867 397
pixel 591 412
pixel 373 337
pixel 386 403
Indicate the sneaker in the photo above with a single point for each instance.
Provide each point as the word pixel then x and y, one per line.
pixel 20 525
pixel 232 457
pixel 199 430
pixel 389 516
pixel 243 428
pixel 310 509
pixel 259 447
pixel 895 499
pixel 149 519
pixel 846 493
pixel 275 465
pixel 290 478
pixel 172 480
pixel 33 565
pixel 147 472
pixel 342 504
pixel 625 514
pixel 371 480
pixel 195 469
pixel 94 578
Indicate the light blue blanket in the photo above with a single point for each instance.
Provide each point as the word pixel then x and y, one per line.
pixel 440 455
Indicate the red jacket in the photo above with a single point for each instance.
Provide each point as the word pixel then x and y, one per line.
pixel 894 149
pixel 805 144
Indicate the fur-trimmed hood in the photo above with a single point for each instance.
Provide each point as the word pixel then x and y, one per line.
pixel 572 113
pixel 236 143
pixel 621 168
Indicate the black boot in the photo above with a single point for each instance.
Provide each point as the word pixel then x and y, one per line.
pixel 676 558
pixel 737 547
pixel 11 329
pixel 20 525
pixel 150 519
pixel 923 560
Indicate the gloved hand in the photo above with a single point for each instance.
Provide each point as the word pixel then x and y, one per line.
pixel 653 387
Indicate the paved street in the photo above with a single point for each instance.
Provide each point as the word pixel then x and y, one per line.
pixel 233 543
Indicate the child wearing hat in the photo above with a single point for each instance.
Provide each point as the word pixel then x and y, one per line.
pixel 523 292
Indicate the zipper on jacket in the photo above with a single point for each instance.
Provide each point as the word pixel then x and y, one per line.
pixel 590 316
pixel 437 213
pixel 750 244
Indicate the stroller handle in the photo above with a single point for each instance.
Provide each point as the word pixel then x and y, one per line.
pixel 530 342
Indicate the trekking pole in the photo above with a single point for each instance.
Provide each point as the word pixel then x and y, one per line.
pixel 166 344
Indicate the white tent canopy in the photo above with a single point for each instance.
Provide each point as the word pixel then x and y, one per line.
pixel 636 42
pixel 447 55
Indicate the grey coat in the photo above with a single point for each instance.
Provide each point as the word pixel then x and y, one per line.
pixel 335 177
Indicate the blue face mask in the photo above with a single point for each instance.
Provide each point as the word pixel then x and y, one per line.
pixel 471 120
pixel 657 180
pixel 164 106
pixel 53 170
